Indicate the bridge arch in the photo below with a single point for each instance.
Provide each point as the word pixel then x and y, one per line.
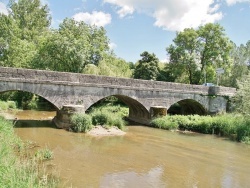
pixel 38 94
pixel 187 107
pixel 136 109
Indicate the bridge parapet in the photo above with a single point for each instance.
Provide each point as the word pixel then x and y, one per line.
pixel 66 78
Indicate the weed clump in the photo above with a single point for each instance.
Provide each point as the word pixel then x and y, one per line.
pixel 81 122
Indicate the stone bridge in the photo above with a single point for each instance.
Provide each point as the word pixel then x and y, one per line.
pixel 141 96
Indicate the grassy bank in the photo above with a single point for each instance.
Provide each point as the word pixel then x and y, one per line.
pixel 17 167
pixel 230 125
pixel 105 116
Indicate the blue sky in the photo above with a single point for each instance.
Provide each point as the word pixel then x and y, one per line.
pixel 134 26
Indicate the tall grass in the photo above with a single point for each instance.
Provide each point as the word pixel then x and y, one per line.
pixel 229 125
pixel 16 168
pixel 5 105
pixel 81 122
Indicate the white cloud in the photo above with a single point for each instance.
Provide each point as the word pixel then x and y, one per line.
pixel 3 8
pixel 112 45
pixel 94 18
pixel 125 10
pixel 232 2
pixel 174 15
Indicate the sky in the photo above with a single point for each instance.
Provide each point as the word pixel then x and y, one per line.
pixel 135 26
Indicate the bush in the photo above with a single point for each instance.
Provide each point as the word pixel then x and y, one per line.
pixel 243 131
pixel 81 122
pixel 116 121
pixel 12 104
pixel 109 116
pixel 7 105
pixel 3 105
pixel 99 118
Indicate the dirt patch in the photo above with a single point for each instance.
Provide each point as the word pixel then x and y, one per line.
pixel 101 131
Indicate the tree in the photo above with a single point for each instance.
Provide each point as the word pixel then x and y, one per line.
pixel 147 68
pixel 73 46
pixel 31 17
pixel 110 66
pixel 242 98
pixel 240 56
pixel 196 54
pixel 21 31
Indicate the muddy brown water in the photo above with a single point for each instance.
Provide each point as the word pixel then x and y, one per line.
pixel 144 157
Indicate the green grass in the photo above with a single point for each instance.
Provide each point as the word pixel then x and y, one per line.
pixel 230 125
pixel 105 116
pixel 7 105
pixel 17 169
pixel 81 122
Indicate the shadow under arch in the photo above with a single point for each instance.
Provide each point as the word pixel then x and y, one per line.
pixel 26 91
pixel 137 111
pixel 187 107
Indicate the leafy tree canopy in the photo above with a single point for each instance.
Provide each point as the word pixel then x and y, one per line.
pixel 147 67
pixel 196 54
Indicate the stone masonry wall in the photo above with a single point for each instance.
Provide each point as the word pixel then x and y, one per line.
pixel 65 78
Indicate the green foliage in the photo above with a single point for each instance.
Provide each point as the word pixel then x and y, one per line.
pixel 240 56
pixel 109 66
pixel 104 116
pixel 21 32
pixel 229 125
pixel 16 168
pixel 100 118
pixel 147 68
pixel 7 105
pixel 81 122
pixel 44 154
pixel 197 53
pixel 73 46
pixel 12 104
pixel 3 105
pixel 164 123
pixel 26 41
pixel 109 116
pixel 242 98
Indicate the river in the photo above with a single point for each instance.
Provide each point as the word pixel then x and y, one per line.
pixel 144 157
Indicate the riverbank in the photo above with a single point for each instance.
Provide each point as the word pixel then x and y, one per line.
pixel 233 126
pixel 17 167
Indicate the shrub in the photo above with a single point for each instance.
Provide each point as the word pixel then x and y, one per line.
pixel 12 104
pixel 243 131
pixel 81 122
pixel 109 116
pixel 3 105
pixel 99 118
pixel 116 121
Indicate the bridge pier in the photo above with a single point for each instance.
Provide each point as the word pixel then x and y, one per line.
pixel 62 118
pixel 157 111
